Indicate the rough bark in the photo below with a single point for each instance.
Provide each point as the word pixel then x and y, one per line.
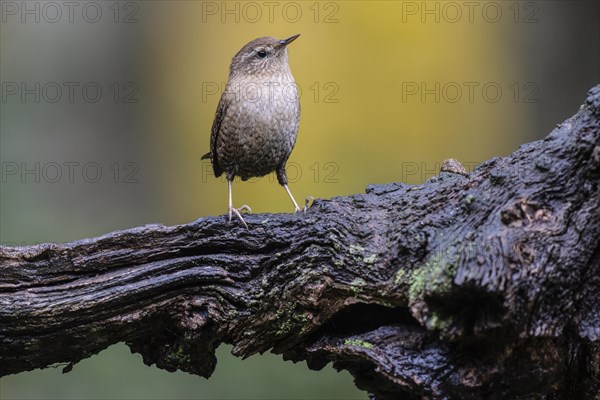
pixel 471 286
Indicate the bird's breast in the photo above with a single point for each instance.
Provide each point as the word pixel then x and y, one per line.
pixel 271 102
pixel 267 116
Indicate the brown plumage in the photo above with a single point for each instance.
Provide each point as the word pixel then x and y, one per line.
pixel 256 122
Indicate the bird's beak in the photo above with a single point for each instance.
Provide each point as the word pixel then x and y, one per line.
pixel 285 42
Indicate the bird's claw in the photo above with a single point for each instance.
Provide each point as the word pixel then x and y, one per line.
pixel 245 207
pixel 307 203
pixel 238 213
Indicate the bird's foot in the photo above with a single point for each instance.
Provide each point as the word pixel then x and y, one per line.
pixel 238 212
pixel 307 203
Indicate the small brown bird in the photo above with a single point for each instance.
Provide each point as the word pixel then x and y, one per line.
pixel 257 118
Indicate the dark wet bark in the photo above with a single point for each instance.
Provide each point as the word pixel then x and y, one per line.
pixel 471 286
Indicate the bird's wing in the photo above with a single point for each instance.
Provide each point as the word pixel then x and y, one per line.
pixel 214 135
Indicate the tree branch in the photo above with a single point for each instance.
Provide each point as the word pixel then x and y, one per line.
pixel 470 286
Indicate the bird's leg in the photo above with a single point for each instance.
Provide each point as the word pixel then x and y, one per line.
pixel 283 181
pixel 237 211
pixel 287 189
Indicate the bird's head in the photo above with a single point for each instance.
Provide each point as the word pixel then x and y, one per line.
pixel 262 56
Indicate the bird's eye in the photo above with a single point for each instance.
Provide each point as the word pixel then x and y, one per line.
pixel 261 54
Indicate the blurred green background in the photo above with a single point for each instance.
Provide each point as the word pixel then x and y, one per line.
pixel 107 107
